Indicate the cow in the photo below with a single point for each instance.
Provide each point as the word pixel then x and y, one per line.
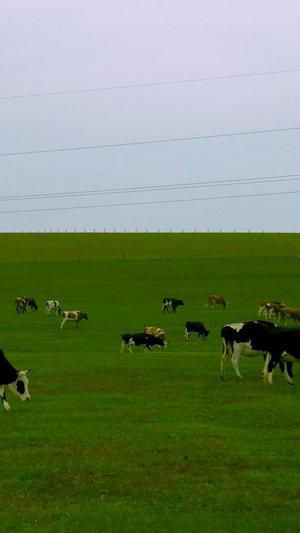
pixel 270 309
pixel 198 327
pixel 73 316
pixel 289 312
pixel 31 303
pixel 215 299
pixel 21 305
pixel 282 344
pixel 248 338
pixel 140 339
pixel 171 302
pixel 16 381
pixel 53 304
pixel 157 332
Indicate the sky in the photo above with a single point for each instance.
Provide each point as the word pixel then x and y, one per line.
pixel 139 116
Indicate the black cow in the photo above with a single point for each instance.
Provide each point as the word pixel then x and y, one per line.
pixel 140 339
pixel 31 303
pixel 15 381
pixel 250 339
pixel 198 327
pixel 171 302
pixel 282 344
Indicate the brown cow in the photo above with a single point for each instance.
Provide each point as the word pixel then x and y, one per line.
pixel 74 316
pixel 21 305
pixel 270 309
pixel 289 312
pixel 31 303
pixel 215 299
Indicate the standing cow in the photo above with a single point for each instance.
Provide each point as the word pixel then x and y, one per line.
pixel 171 302
pixel 198 327
pixel 282 344
pixel 140 339
pixel 270 309
pixel 31 303
pixel 16 381
pixel 215 299
pixel 21 305
pixel 53 304
pixel 73 316
pixel 250 339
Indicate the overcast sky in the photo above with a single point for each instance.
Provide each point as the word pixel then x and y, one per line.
pixel 125 100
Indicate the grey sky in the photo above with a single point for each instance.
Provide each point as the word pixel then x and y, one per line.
pixel 74 47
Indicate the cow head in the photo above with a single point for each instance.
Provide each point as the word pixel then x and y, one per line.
pixel 20 386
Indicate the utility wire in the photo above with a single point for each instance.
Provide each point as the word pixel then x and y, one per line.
pixel 154 84
pixel 154 188
pixel 155 141
pixel 150 203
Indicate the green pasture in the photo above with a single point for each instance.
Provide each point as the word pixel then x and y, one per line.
pixel 145 442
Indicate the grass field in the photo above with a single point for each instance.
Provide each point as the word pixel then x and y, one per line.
pixel 145 442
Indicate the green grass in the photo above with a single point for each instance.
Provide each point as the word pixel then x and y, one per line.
pixel 148 442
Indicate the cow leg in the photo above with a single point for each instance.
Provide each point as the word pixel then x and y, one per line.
pixel 131 343
pixel 63 322
pixel 265 368
pixel 187 335
pixel 224 359
pixel 122 346
pixel 273 360
pixel 3 398
pixel 287 374
pixel 235 361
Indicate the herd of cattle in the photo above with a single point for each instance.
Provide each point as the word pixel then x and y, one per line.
pixel 21 305
pixel 277 344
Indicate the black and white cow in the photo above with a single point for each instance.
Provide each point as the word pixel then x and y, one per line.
pixel 171 302
pixel 250 339
pixel 53 304
pixel 140 339
pixel 15 381
pixel 198 327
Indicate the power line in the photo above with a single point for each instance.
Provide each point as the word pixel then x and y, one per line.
pixel 156 141
pixel 150 202
pixel 154 84
pixel 155 188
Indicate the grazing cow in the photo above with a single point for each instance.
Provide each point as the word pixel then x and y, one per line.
pixel 270 309
pixel 198 327
pixel 289 312
pixel 140 339
pixel 73 316
pixel 53 304
pixel 248 338
pixel 15 381
pixel 31 303
pixel 157 332
pixel 171 302
pixel 282 344
pixel 215 299
pixel 21 305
